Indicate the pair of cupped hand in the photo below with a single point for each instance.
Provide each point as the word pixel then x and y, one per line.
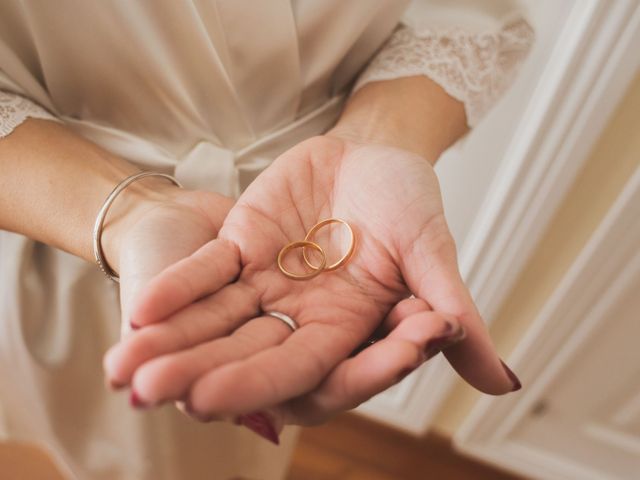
pixel 198 272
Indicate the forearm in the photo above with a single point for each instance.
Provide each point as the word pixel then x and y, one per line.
pixel 412 113
pixel 53 183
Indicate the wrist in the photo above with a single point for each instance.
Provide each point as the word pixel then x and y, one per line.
pixel 411 113
pixel 134 202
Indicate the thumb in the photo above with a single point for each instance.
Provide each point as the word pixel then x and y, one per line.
pixel 138 267
pixel 149 250
pixel 430 269
pixel 211 267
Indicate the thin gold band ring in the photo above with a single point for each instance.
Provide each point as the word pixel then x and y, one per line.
pixel 302 244
pixel 344 258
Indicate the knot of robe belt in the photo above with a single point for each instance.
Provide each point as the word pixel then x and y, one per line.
pixel 213 168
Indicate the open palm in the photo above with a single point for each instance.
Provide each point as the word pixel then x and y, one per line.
pixel 212 344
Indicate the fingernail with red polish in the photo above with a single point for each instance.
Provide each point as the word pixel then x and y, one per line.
pixel 513 377
pixel 437 344
pixel 259 423
pixel 136 402
pixel 134 326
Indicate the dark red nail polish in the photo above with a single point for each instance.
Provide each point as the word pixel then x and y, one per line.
pixel 259 423
pixel 513 377
pixel 437 344
pixel 136 402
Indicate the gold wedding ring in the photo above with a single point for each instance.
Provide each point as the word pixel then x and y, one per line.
pixel 302 244
pixel 307 243
pixel 345 257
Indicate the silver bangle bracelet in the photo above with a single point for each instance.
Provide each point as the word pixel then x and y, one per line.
pixel 98 226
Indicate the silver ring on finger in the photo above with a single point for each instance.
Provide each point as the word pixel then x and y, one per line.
pixel 286 319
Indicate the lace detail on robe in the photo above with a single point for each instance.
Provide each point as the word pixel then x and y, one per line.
pixel 15 109
pixel 473 67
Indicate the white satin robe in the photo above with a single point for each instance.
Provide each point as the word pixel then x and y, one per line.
pixel 211 90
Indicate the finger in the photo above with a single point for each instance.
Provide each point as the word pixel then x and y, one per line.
pixel 431 271
pixel 183 408
pixel 417 338
pixel 170 376
pixel 402 310
pixel 273 375
pixel 213 266
pixel 205 320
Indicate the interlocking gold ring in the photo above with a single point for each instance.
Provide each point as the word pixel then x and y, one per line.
pixel 302 244
pixel 344 258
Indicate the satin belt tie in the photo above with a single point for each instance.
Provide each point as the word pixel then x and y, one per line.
pixel 214 168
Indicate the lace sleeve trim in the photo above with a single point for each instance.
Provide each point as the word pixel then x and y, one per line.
pixel 15 109
pixel 475 68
